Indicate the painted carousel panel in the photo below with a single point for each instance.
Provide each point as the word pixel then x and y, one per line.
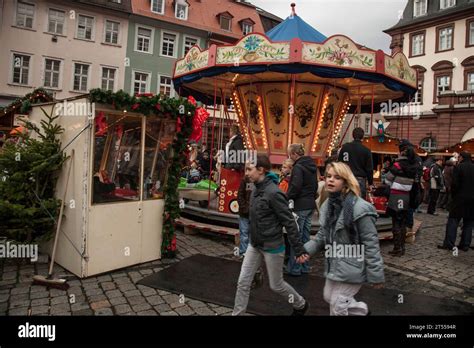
pixel 254 48
pixel 339 51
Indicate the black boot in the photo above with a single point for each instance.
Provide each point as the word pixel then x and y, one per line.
pixel 302 311
pixel 397 247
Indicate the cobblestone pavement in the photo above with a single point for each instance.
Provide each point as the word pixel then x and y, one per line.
pixel 424 269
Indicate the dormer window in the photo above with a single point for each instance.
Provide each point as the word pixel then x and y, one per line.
pixel 444 4
pixel 225 20
pixel 158 6
pixel 181 9
pixel 420 8
pixel 247 25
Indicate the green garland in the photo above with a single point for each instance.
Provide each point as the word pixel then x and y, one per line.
pixel 24 104
pixel 174 108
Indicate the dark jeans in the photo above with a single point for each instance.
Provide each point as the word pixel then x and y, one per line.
pixel 410 218
pixel 363 186
pixel 399 229
pixel 434 194
pixel 443 200
pixel 452 231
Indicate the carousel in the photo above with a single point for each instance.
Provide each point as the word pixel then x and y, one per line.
pixel 290 85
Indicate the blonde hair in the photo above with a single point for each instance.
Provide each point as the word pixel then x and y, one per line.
pixel 289 162
pixel 297 149
pixel 351 184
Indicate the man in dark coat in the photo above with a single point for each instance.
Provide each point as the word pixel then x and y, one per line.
pixel 436 185
pixel 302 190
pixel 232 149
pixel 462 206
pixel 359 159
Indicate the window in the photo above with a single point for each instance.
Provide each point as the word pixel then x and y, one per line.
pixel 158 6
pixel 84 27
pixel 470 32
pixel 164 86
pixel 445 39
pixel 444 4
pixel 168 45
pixel 81 76
pixel 428 144
pixel 108 78
pixel 56 21
pixel 25 14
pixel 443 73
pixel 247 28
pixel 420 8
pixel 141 82
pixel 419 93
pixel 468 65
pixel 470 81
pixel 417 44
pixel 117 168
pixel 226 23
pixel 356 121
pixel 189 42
pixel 367 125
pixel 443 84
pixel 143 42
pixel 111 32
pixel 51 73
pixel 181 10
pixel 157 153
pixel 21 68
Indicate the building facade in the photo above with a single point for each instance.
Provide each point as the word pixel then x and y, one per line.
pixel 67 47
pixel 438 38
pixel 162 31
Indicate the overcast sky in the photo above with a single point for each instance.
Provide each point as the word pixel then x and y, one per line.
pixel 361 20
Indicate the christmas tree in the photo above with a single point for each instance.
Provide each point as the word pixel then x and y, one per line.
pixel 29 167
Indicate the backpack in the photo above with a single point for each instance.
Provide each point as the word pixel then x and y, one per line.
pixel 426 173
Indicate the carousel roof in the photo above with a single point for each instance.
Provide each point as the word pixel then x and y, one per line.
pixel 295 50
pixel 293 27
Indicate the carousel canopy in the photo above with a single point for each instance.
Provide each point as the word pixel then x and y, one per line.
pixel 293 90
pixel 293 27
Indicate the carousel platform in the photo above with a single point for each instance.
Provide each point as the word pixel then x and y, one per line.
pixel 196 218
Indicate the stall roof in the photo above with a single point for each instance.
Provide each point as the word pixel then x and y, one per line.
pixel 388 147
pixel 467 146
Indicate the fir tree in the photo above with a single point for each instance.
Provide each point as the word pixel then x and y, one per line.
pixel 29 168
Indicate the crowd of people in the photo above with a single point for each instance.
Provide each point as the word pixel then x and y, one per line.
pixel 275 217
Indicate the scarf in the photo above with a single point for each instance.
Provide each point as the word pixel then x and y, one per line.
pixel 338 203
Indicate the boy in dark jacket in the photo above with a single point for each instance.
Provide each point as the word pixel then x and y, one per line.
pixel 302 190
pixel 269 213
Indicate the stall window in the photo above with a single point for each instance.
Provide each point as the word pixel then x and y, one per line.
pixel 117 158
pixel 158 139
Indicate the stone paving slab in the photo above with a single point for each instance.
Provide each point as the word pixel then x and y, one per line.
pixel 423 269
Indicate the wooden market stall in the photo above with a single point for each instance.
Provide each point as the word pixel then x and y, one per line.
pixel 113 216
pixel 467 146
pixel 387 148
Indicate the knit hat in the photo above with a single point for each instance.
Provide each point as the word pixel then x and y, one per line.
pixel 404 143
